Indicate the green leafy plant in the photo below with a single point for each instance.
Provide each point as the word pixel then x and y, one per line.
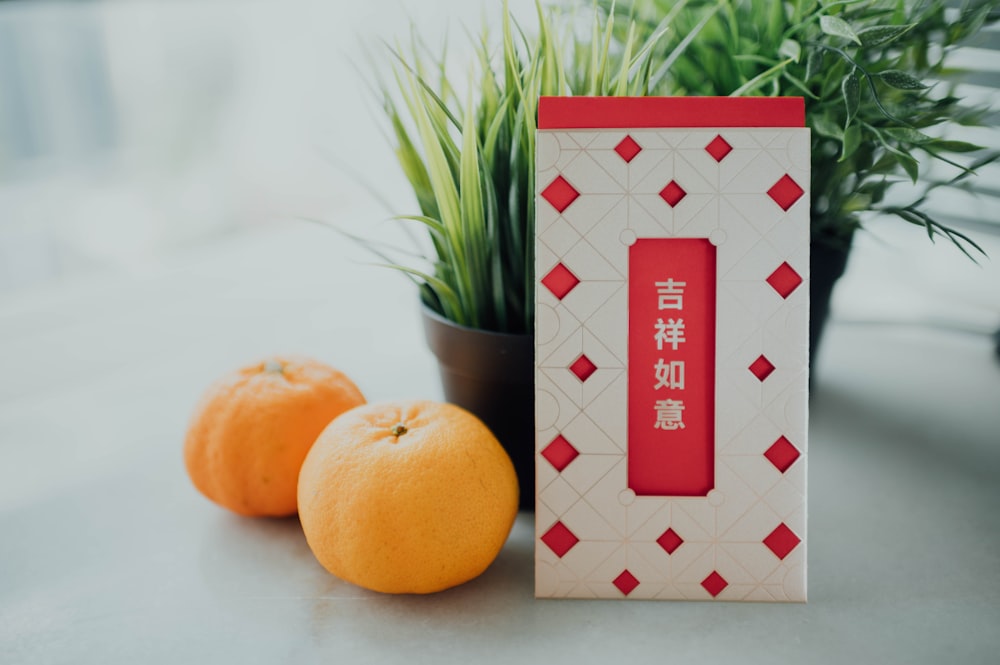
pixel 875 80
pixel 470 157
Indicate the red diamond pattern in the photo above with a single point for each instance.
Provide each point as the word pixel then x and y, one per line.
pixel 718 148
pixel 670 541
pixel 560 539
pixel 714 583
pixel 626 582
pixel 560 281
pixel 628 149
pixel 782 541
pixel 583 368
pixel 782 454
pixel 784 280
pixel 761 368
pixel 560 453
pixel 672 193
pixel 560 193
pixel 785 192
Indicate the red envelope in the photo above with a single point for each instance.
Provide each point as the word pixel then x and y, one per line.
pixel 672 259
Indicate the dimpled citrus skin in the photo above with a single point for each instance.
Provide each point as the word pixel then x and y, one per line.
pixel 252 429
pixel 417 512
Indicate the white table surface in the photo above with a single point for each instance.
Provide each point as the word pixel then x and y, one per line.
pixel 108 555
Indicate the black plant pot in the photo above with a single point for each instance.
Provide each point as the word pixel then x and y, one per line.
pixel 828 261
pixel 492 375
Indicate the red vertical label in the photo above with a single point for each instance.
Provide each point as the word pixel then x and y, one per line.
pixel 671 360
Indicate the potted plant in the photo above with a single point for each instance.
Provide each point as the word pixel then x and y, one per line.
pixel 878 95
pixel 470 159
pixel 864 67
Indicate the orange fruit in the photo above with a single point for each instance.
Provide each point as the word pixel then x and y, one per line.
pixel 407 497
pixel 252 429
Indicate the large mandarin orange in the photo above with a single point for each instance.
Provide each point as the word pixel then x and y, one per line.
pixel 407 497
pixel 252 429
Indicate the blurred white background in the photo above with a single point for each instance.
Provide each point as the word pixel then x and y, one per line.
pixel 132 130
pixel 129 130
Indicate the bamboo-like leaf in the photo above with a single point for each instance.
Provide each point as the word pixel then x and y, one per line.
pixel 761 79
pixel 434 226
pixel 790 49
pixel 440 173
pixel 661 72
pixel 814 63
pixel 955 146
pixel 851 142
pixel 935 228
pixel 838 27
pixel 621 77
pixel 449 299
pixel 882 35
pixel 800 85
pixel 986 159
pixel 908 135
pixel 473 229
pixel 910 165
pixel 851 90
pixel 641 66
pixel 825 126
pixel 900 80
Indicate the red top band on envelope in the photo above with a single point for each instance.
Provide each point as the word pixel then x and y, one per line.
pixel 672 261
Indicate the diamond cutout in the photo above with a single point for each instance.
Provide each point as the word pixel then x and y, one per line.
pixel 670 541
pixel 583 368
pixel 560 539
pixel 784 280
pixel 785 192
pixel 761 368
pixel 626 582
pixel 672 193
pixel 714 583
pixel 560 281
pixel 782 541
pixel 560 193
pixel 782 454
pixel 718 148
pixel 628 149
pixel 560 453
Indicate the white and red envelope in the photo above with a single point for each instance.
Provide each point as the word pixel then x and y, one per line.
pixel 672 308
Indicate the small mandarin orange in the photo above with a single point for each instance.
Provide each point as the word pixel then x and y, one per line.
pixel 407 497
pixel 252 429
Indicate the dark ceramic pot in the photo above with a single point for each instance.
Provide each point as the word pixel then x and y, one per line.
pixel 492 375
pixel 827 264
